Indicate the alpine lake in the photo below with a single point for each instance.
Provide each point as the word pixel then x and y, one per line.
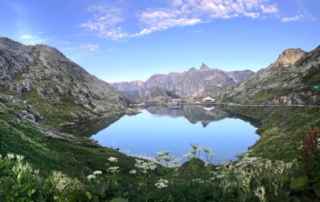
pixel 163 129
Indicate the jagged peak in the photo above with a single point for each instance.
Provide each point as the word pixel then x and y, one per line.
pixel 289 57
pixel 192 69
pixel 204 67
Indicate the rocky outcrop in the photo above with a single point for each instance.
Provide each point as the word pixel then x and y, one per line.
pixel 55 86
pixel 289 57
pixel 194 82
pixel 288 81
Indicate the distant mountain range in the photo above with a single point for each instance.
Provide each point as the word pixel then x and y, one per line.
pixel 194 82
pixel 293 79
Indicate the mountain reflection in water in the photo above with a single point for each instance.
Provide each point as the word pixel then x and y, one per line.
pixel 158 129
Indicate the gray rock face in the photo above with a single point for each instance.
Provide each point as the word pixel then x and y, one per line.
pixel 289 57
pixel 194 82
pixel 44 76
pixel 288 81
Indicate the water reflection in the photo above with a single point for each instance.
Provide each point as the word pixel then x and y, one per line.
pixel 193 113
pixel 175 130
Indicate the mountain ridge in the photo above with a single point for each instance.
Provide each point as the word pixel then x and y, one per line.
pixel 56 87
pixel 288 81
pixel 193 82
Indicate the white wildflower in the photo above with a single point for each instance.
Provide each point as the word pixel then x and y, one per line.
pixel 260 192
pixel 133 172
pixel 60 181
pixel 19 157
pixel 10 156
pixel 145 166
pixel 152 166
pixel 37 172
pixel 162 183
pixel 91 177
pixel 114 169
pixel 220 176
pixel 113 159
pixel 97 172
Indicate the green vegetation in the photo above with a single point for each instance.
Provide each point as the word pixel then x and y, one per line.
pixel 55 113
pixel 73 157
pixel 48 149
pixel 282 129
pixel 251 179
pixel 50 166
pixel 312 77
pixel 269 94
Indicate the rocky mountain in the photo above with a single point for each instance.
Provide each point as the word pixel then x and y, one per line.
pixel 194 82
pixel 291 80
pixel 54 86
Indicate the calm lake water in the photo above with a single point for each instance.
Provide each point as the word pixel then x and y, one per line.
pixel 161 129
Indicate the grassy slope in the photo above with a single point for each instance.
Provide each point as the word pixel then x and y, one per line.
pixel 57 114
pixel 75 157
pixel 282 129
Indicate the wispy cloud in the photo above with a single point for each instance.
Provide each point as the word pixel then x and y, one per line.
pixel 159 20
pixel 292 18
pixel 108 22
pixel 225 8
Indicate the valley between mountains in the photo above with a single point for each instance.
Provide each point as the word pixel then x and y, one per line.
pixel 49 106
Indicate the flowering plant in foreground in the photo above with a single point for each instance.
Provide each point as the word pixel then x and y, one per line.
pixel 113 159
pixel 252 179
pixel 145 166
pixel 162 183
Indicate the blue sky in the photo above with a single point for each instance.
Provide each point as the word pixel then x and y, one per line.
pixel 120 40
